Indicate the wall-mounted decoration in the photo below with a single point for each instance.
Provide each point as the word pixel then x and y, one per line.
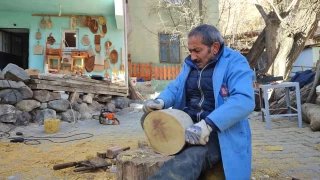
pixel 102 20
pixel 70 39
pixel 73 23
pixel 85 40
pixel 50 39
pixel 89 63
pixel 43 23
pixel 90 52
pixel 49 23
pixel 38 35
pixel 38 49
pixel 93 26
pixel 81 20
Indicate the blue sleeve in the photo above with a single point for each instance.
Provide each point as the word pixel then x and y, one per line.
pixel 241 95
pixel 169 95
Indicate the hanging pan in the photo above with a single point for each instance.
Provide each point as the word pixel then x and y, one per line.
pixel 114 56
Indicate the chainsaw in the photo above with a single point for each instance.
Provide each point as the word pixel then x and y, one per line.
pixel 107 118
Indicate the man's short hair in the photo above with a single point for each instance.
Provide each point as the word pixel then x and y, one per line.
pixel 209 34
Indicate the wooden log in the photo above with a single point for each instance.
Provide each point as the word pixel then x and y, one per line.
pixel 311 114
pixel 77 85
pixel 138 164
pixel 312 95
pixel 281 103
pixel 165 130
pixel 71 89
pixel 133 93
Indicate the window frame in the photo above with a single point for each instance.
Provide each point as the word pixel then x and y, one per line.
pixel 169 61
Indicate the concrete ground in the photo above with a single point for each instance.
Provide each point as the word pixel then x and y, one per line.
pixel 299 157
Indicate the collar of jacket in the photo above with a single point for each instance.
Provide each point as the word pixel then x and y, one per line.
pixel 214 59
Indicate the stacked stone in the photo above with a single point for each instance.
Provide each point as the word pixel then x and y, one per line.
pixel 19 105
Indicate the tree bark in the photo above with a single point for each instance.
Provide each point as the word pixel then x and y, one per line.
pixel 293 31
pixel 285 38
pixel 257 49
pixel 312 95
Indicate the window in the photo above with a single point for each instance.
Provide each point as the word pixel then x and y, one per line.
pixel 169 48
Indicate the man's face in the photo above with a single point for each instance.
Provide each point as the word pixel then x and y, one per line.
pixel 200 53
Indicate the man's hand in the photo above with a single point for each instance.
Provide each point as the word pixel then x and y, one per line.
pixel 152 104
pixel 198 134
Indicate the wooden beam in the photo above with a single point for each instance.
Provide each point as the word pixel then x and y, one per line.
pixel 64 15
pixel 71 89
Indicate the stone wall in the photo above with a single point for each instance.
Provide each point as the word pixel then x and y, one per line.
pixel 19 105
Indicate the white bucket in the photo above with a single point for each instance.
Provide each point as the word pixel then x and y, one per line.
pixel 133 80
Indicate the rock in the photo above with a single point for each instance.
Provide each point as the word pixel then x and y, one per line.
pixel 110 107
pixel 7 113
pixel 15 73
pixel 73 97
pixel 103 98
pixel 84 110
pixel 5 127
pixel 60 105
pixel 26 92
pixel 64 95
pixel 70 115
pixel 10 96
pixel 7 84
pixel 1 75
pixel 87 99
pixel 43 106
pixel 42 115
pixel 95 107
pixel 45 96
pixel 27 105
pixel 58 116
pixel 121 102
pixel 23 118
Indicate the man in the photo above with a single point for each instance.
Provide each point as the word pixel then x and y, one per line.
pixel 215 88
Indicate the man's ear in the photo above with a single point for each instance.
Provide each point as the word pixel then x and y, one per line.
pixel 215 48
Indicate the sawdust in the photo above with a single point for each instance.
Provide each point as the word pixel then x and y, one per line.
pixel 33 162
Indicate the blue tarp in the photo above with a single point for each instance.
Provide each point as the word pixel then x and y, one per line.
pixel 303 77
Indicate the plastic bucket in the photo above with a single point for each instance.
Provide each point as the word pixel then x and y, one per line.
pixel 51 126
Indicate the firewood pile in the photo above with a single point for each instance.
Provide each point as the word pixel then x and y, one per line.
pixel 310 100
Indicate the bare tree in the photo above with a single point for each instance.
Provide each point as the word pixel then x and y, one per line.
pixel 288 26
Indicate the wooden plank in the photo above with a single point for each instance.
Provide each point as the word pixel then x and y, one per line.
pixel 80 86
pixel 71 89
pixel 78 81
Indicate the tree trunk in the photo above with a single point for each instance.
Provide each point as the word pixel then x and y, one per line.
pixel 257 49
pixel 285 38
pixel 312 93
pixel 311 115
pixel 165 130
pixel 293 31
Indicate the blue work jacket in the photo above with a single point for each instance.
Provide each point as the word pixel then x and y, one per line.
pixel 234 100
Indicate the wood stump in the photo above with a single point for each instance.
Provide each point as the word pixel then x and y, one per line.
pixel 140 164
pixel 165 130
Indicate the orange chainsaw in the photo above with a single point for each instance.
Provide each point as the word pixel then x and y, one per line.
pixel 108 118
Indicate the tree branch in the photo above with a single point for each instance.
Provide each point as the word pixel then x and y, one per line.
pixel 293 3
pixel 262 12
pixel 275 10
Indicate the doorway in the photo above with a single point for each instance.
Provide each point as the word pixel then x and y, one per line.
pixel 14 47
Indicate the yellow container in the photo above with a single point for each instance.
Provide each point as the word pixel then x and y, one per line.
pixel 51 125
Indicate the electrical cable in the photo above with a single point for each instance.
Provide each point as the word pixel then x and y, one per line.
pixel 29 140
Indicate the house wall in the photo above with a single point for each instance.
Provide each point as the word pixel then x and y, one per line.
pixel 25 20
pixel 316 54
pixel 143 42
pixel 304 59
